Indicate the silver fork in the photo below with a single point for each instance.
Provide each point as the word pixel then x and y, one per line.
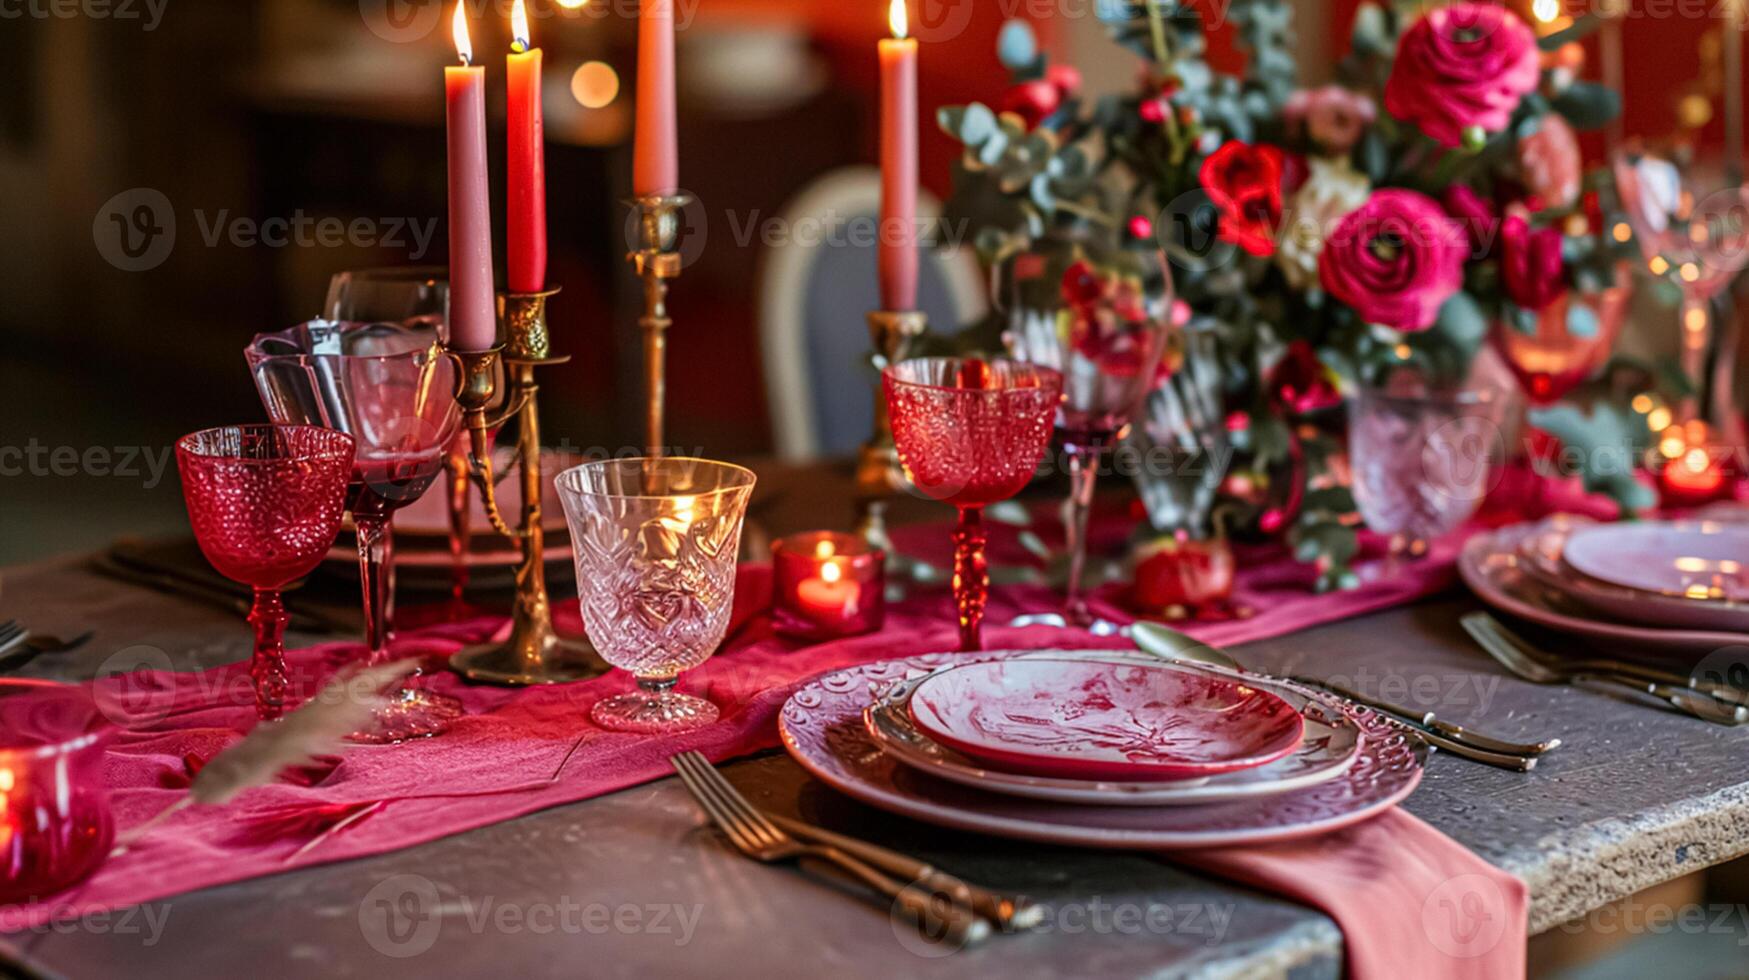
pixel 28 646
pixel 760 839
pixel 1515 655
pixel 11 635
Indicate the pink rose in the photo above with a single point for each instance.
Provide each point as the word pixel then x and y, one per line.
pixel 1475 215
pixel 1530 262
pixel 1396 259
pixel 1333 116
pixel 1550 162
pixel 1462 66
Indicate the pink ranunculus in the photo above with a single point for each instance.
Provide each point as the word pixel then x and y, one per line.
pixel 1530 261
pixel 1396 259
pixel 1334 116
pixel 1462 66
pixel 1550 162
pixel 1476 215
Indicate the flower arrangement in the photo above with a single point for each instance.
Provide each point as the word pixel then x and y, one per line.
pixel 1318 238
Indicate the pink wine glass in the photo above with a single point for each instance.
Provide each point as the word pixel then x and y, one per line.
pixel 655 542
pixel 265 502
pixel 971 433
pixel 392 389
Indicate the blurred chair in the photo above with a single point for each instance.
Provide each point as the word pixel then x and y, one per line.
pixel 817 285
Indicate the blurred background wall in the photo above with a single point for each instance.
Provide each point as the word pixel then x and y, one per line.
pixel 221 116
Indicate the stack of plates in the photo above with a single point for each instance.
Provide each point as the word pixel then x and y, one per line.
pixel 1099 748
pixel 1665 587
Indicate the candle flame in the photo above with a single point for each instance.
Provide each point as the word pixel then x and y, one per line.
pixel 899 19
pixel 459 27
pixel 519 26
pixel 825 549
pixel 830 572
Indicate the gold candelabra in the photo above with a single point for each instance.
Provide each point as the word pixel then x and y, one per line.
pixel 657 260
pixel 878 475
pixel 534 653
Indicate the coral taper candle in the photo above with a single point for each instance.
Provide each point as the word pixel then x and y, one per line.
pixel 656 152
pixel 473 305
pixel 526 215
pixel 898 231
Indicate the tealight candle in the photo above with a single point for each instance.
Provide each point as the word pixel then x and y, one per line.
pixel 827 585
pixel 55 823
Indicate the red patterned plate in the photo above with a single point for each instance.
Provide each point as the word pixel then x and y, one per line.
pixel 822 727
pixel 1081 719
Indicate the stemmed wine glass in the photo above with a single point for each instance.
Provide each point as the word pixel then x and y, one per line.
pixel 1704 241
pixel 970 433
pixel 1100 318
pixel 265 502
pixel 655 542
pixel 416 297
pixel 391 388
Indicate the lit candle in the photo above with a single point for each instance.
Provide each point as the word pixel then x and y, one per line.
pixel 526 214
pixel 655 153
pixel 898 232
pixel 827 585
pixel 473 317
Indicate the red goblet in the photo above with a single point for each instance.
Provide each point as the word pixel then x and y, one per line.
pixel 266 503
pixel 970 433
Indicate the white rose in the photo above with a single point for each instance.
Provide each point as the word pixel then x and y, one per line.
pixel 1331 191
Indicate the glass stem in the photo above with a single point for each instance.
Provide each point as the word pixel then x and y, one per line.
pixel 971 576
pixel 1697 324
pixel 376 564
pixel 267 666
pixel 1083 474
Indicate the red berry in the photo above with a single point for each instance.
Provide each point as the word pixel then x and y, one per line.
pixel 1141 227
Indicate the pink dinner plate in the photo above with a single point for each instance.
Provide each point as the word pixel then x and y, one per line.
pixel 1544 560
pixel 1702 560
pixel 1493 568
pixel 823 730
pixel 1078 719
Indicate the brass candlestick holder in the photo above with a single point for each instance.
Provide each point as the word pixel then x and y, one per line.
pixel 878 474
pixel 534 654
pixel 657 260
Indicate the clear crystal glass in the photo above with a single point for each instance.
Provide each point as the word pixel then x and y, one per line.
pixel 1100 317
pixel 655 542
pixel 1423 459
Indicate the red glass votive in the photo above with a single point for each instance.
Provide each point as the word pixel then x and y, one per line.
pixel 55 822
pixel 827 585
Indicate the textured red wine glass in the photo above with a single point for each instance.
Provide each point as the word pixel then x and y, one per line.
pixel 971 433
pixel 265 502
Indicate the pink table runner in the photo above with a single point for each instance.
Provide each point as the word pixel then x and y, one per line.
pixel 519 751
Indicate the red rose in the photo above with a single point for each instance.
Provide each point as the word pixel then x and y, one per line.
pixel 1462 67
pixel 1530 262
pixel 1244 182
pixel 1301 382
pixel 1475 215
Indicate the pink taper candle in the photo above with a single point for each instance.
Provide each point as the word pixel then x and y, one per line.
pixel 656 152
pixel 525 214
pixel 898 232
pixel 473 317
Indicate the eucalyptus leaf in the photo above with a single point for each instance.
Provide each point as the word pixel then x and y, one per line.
pixel 1588 105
